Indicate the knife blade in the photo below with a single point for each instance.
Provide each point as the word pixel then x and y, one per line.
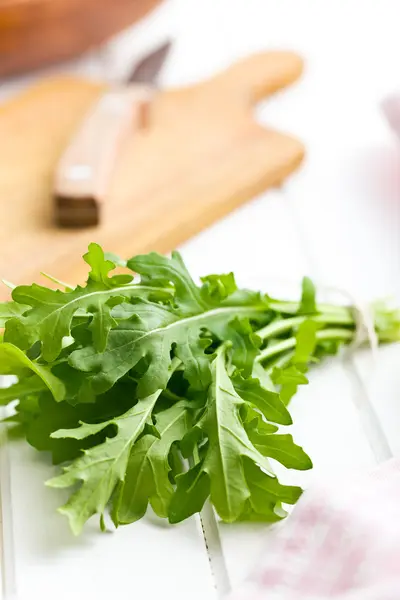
pixel 148 68
pixel 85 169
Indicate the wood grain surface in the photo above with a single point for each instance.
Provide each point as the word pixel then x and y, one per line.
pixel 202 156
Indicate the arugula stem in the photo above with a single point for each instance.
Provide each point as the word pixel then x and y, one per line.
pixel 326 334
pixel 282 325
pixel 291 308
pixel 279 326
pixel 281 362
pixel 196 457
pixel 277 348
pixel 167 393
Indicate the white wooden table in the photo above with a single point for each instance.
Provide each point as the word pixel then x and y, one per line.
pixel 337 220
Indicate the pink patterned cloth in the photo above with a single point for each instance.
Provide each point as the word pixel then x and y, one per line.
pixel 342 542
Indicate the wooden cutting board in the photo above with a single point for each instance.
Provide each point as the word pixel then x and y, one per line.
pixel 203 156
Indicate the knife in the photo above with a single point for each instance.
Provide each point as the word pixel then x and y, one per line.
pixel 85 169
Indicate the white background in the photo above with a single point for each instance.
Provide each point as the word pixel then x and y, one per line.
pixel 337 220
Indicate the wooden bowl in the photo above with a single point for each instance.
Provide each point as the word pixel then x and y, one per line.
pixel 34 33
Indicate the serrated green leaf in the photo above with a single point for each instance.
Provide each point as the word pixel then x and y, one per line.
pixel 191 351
pixel 243 297
pixel 176 463
pixel 102 467
pixel 84 430
pixel 156 267
pixel 245 342
pixel 48 417
pixel 151 333
pixel 264 487
pixel 174 344
pixel 190 441
pixel 283 449
pixel 271 513
pixel 28 386
pixel 50 318
pixel 265 379
pixel 216 288
pixel 254 423
pixel 228 444
pixel 100 265
pixel 290 374
pixel 15 362
pixel 9 310
pixel 293 375
pixel 101 324
pixel 288 378
pixel 193 489
pixel 267 402
pixel 147 475
pixel 51 416
pixel 230 451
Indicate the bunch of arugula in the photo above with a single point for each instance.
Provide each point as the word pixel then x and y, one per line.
pixel 159 391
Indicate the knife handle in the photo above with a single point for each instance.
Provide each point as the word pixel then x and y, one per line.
pixel 85 169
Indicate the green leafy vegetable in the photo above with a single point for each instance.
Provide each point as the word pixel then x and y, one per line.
pixel 14 361
pixel 147 475
pixel 11 309
pixel 102 467
pixel 153 390
pixel 308 303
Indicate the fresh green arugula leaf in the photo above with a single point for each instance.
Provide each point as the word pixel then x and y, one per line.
pixel 102 467
pixel 156 267
pixel 101 323
pixel 11 309
pixel 46 417
pixel 15 362
pixel 290 374
pixel 293 375
pixel 127 380
pixel 267 402
pixel 288 378
pixel 147 474
pixel 217 288
pixel 271 512
pixel 254 423
pixel 30 385
pixel 284 450
pixel 267 494
pixel 151 333
pixel 192 490
pixel 50 318
pixel 228 444
pixel 100 266
pixel 287 494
